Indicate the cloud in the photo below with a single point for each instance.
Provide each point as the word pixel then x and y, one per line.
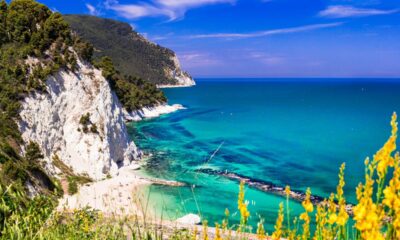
pixel 268 32
pixel 266 58
pixel 198 59
pixel 173 9
pixel 132 11
pixel 92 10
pixel 342 11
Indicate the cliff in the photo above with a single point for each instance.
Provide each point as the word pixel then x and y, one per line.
pixel 131 53
pixel 53 119
pixel 61 117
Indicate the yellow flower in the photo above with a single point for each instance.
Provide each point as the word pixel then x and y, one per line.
pixel 308 207
pixel 227 212
pixel 287 191
pixel 260 230
pixel 332 218
pixel 278 225
pixel 195 233
pixel 205 230
pixel 217 232
pixel 242 207
pixel 383 157
pixel 322 232
pixel 367 214
pixel 342 217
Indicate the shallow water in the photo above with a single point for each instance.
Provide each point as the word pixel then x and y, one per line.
pixel 293 133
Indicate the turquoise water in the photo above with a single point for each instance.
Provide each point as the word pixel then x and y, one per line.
pixel 293 133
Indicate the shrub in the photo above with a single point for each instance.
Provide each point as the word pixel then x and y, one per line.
pixel 93 129
pixel 72 185
pixel 33 152
pixel 85 119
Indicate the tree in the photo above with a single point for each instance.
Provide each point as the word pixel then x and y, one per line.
pixel 25 17
pixel 84 49
pixel 3 23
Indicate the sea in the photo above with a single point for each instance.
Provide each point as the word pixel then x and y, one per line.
pixel 294 132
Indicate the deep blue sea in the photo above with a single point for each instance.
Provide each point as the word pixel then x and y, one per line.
pixel 293 132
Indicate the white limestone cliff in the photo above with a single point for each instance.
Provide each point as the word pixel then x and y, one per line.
pixel 52 119
pixel 182 78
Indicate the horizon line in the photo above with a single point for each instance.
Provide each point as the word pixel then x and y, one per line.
pixel 396 77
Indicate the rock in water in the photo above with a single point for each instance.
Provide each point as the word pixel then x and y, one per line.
pixel 190 219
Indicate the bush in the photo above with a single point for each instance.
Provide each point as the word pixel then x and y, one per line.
pixel 93 129
pixel 72 185
pixel 33 152
pixel 85 119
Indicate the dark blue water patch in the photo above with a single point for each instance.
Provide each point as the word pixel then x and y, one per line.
pixel 260 137
pixel 225 142
pixel 159 133
pixel 297 166
pixel 196 144
pixel 237 158
pixel 263 154
pixel 182 131
pixel 190 113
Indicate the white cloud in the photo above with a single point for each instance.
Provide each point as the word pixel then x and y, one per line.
pixel 198 59
pixel 342 11
pixel 132 11
pixel 173 9
pixel 92 10
pixel 266 58
pixel 189 3
pixel 268 32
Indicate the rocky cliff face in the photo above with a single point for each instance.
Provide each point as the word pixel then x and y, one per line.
pixel 174 71
pixel 80 120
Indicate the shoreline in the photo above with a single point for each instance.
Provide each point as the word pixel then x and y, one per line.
pixel 122 194
pixel 151 112
pixel 176 86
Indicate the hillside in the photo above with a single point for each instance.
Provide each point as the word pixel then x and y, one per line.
pixel 58 112
pixel 131 53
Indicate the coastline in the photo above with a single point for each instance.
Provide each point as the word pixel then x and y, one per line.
pixel 123 194
pixel 119 195
pixel 177 86
pixel 151 112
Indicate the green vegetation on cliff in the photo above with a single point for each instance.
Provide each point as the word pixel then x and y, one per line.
pixel 27 29
pixel 34 44
pixel 131 53
pixel 134 93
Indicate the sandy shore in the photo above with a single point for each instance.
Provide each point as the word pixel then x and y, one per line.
pixel 111 196
pixel 120 195
pixel 123 194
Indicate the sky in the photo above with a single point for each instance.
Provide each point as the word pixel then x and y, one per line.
pixel 264 38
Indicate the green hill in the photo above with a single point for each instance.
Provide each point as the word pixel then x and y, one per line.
pixel 131 53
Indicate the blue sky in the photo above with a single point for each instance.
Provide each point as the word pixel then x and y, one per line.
pixel 265 38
